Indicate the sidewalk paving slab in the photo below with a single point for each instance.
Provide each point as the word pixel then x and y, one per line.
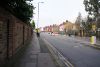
pixel 32 56
pixel 44 60
pixel 86 40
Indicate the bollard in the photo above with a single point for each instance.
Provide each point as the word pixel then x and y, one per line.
pixel 93 40
pixel 93 37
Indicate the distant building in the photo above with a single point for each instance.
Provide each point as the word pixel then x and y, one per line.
pixel 51 28
pixel 61 27
pixel 64 28
pixel 67 28
pixel 55 28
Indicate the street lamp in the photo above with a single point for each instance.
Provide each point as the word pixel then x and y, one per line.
pixel 38 13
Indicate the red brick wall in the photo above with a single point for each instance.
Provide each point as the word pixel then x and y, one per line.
pixel 14 34
pixel 3 41
pixel 18 35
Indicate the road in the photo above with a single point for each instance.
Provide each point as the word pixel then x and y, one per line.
pixel 74 50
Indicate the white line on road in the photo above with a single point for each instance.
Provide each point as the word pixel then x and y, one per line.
pixel 57 55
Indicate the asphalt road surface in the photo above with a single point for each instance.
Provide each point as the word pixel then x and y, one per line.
pixel 74 50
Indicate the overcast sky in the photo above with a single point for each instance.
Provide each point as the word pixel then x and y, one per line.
pixel 57 11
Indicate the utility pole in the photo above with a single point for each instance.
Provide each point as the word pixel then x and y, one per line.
pixel 38 13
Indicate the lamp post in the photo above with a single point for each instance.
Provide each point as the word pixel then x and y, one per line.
pixel 38 13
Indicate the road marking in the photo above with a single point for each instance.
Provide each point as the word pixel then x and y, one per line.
pixel 76 46
pixel 56 54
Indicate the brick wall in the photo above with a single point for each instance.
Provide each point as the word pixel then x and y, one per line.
pixel 14 34
pixel 3 40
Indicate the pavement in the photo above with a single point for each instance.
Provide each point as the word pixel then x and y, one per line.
pixel 87 40
pixel 36 54
pixel 40 53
